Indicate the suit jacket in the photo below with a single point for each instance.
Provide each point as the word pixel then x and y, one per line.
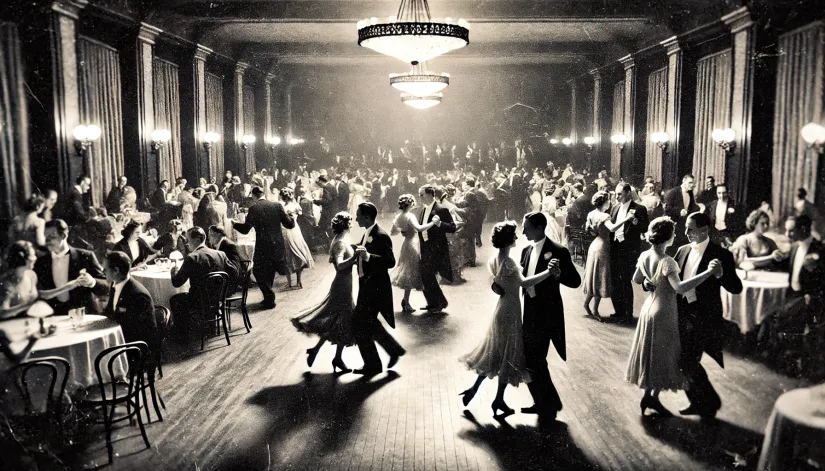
pixel 166 245
pixel 342 197
pixel 813 282
pixel 113 199
pixel 436 251
pixel 674 204
pixel 474 212
pixel 706 197
pixel 196 268
pixel 545 311
pixel 231 250
pixel 577 213
pixel 76 210
pixel 267 217
pixel 375 288
pixel 135 312
pixel 632 232
pixel 158 199
pixel 735 221
pixel 706 317
pixel 79 259
pixel 144 251
pixel 329 205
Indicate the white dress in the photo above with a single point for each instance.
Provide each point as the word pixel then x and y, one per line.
pixel 407 273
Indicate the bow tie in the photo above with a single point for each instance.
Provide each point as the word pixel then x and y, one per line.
pixel 60 255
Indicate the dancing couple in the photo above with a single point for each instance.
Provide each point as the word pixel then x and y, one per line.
pixel 515 352
pixel 336 319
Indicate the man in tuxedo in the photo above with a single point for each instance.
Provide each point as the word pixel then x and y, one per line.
pixel 64 263
pixel 544 311
pixel 217 239
pixel 341 194
pixel 701 326
pixel 375 259
pixel 328 203
pixel 727 220
pixel 625 248
pixel 435 251
pixel 195 269
pixel 580 207
pixel 267 217
pixel 678 203
pixel 116 194
pixel 77 208
pixel 158 198
pixel 706 196
pixel 474 217
pixel 131 305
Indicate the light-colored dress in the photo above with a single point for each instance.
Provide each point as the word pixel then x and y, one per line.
pixel 501 352
pixel 655 351
pixel 407 274
pixel 597 269
pixel 298 255
pixel 356 197
pixel 332 317
pixel 14 292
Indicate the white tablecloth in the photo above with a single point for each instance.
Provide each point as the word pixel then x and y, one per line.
pixel 762 294
pixel 796 431
pixel 159 284
pixel 79 346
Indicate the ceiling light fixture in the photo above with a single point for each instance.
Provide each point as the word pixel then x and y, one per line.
pixel 421 102
pixel 412 35
pixel 419 81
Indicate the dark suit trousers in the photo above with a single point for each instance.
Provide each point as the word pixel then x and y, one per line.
pixel 700 392
pixel 264 271
pixel 432 290
pixel 368 332
pixel 536 346
pixel 623 263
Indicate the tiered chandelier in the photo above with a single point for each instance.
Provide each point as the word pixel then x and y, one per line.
pixel 421 102
pixel 421 88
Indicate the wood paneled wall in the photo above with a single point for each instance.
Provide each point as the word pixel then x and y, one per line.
pixel 656 120
pixel 167 116
pixel 713 94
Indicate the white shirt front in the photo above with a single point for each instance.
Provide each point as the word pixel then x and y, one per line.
pixel 692 265
pixel 623 209
pixel 533 263
pixel 798 261
pixel 721 212
pixel 426 219
pixel 118 290
pixel 60 272
pixel 366 234
pixel 134 249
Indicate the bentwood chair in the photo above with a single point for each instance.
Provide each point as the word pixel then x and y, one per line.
pixel 154 363
pixel 240 298
pixel 47 372
pixel 576 243
pixel 214 308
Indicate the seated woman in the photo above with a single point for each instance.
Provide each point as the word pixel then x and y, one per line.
pixel 754 249
pixel 172 240
pixel 133 246
pixel 18 284
pixel 28 225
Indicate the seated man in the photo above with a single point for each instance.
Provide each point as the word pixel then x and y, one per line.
pixel 196 267
pixel 218 241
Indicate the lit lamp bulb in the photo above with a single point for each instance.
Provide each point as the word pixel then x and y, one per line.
pixel 724 137
pixel 619 139
pixel 85 135
pixel 567 141
pixel 247 140
pixel 160 137
pixel 210 138
pixel 554 141
pixel 660 139
pixel 274 141
pixel 589 141
pixel 814 135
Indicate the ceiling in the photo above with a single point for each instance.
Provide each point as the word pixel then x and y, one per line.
pixel 578 35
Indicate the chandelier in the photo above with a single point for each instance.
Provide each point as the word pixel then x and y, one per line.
pixel 421 102
pixel 419 81
pixel 412 35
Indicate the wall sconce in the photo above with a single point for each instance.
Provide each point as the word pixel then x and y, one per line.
pixel 294 141
pixel 589 141
pixel 85 135
pixel 210 138
pixel 814 135
pixel 554 141
pixel 567 141
pixel 620 140
pixel 159 138
pixel 661 139
pixel 247 140
pixel 273 142
pixel 725 138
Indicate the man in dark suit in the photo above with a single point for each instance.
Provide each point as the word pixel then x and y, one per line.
pixel 625 248
pixel 77 208
pixel 116 194
pixel 579 208
pixel 375 258
pixel 131 306
pixel 435 251
pixel 544 311
pixel 727 220
pixel 158 198
pixel 701 326
pixel 341 194
pixel 195 269
pixel 216 236
pixel 328 203
pixel 474 217
pixel 64 263
pixel 706 196
pixel 678 203
pixel 267 217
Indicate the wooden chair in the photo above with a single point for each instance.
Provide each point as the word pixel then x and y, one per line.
pixel 214 311
pixel 53 410
pixel 240 298
pixel 576 243
pixel 162 316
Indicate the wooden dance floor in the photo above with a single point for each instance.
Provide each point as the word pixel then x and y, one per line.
pixel 256 405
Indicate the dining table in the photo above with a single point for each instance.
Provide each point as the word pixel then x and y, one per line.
pixel 158 282
pixel 796 431
pixel 763 293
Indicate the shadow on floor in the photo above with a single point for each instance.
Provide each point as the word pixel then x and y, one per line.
pixel 528 448
pixel 713 442
pixel 427 329
pixel 303 422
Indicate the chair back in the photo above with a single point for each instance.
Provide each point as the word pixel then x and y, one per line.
pixel 49 369
pixel 216 286
pixel 162 317
pixel 243 279
pixel 134 354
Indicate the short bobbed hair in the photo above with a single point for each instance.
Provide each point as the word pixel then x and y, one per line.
pixel 18 254
pixel 754 217
pixel 504 234
pixel 341 222
pixel 405 201
pixel 599 199
pixel 660 230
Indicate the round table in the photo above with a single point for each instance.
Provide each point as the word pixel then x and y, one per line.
pixel 159 284
pixel 79 346
pixel 795 431
pixel 763 292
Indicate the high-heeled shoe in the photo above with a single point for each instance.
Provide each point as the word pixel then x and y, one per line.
pixel 653 403
pixel 337 364
pixel 406 307
pixel 468 395
pixel 500 405
pixel 311 354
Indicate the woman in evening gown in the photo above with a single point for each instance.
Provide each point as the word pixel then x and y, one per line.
pixel 298 255
pixel 331 319
pixel 18 283
pixel 501 352
pixel 654 354
pixel 406 274
pixel 597 268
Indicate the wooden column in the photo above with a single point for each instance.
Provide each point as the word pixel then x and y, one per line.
pixel 199 82
pixel 595 161
pixel 628 123
pixel 266 155
pixel 670 167
pixel 236 152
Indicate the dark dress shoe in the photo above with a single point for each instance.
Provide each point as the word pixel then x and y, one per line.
pixel 367 372
pixel 393 360
pixel 704 412
pixel 267 305
pixel 543 413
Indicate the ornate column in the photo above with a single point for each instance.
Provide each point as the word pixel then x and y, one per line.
pixel 573 118
pixel 237 152
pixel 670 165
pixel 199 83
pixel 596 130
pixel 265 112
pixel 628 126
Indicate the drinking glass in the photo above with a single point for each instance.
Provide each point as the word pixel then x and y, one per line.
pixel 74 318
